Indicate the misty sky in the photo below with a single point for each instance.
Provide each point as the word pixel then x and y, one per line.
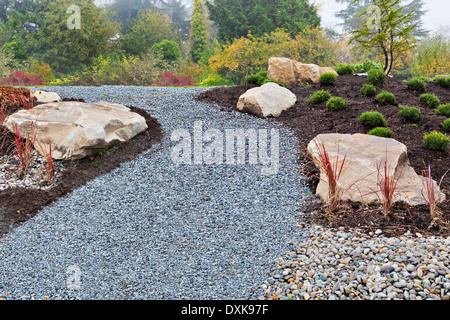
pixel 437 15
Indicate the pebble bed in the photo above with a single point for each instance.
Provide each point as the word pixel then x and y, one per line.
pixel 10 173
pixel 338 265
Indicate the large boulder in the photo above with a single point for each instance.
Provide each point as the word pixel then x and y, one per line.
pixel 282 70
pixel 291 72
pixel 359 174
pixel 77 129
pixel 269 100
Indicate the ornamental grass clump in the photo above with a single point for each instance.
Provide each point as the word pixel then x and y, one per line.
pixel 49 166
pixel 446 125
pixel 443 81
pixel 336 104
pixel 443 110
pixel 410 114
pixel 429 191
pixel 381 132
pixel 372 119
pixel 343 69
pixel 386 98
pixel 319 97
pixel 430 100
pixel 416 84
pixel 327 78
pixel 23 146
pixel 368 90
pixel 377 77
pixel 332 173
pixel 387 185
pixel 436 141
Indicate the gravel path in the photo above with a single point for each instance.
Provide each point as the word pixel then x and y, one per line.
pixel 154 230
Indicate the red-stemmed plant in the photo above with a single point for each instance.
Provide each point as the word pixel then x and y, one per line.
pixel 430 191
pixel 23 147
pixel 387 185
pixel 49 166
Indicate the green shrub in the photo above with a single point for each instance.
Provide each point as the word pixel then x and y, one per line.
pixel 319 97
pixel 216 80
pixel 168 49
pixel 446 125
pixel 366 66
pixel 336 103
pixel 443 81
pixel 377 77
pixel 430 100
pixel 372 119
pixel 416 84
pixel 368 90
pixel 327 78
pixel 259 78
pixel 443 110
pixel 410 114
pixel 436 141
pixel 343 68
pixel 381 132
pixel 386 98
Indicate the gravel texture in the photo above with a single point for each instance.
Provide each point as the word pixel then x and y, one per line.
pixel 153 230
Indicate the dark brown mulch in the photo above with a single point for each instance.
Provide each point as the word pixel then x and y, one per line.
pixel 308 121
pixel 18 205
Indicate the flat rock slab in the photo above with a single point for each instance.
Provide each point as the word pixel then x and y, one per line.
pixel 359 177
pixel 77 129
pixel 269 100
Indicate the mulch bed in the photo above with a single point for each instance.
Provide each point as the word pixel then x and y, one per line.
pixel 308 121
pixel 18 205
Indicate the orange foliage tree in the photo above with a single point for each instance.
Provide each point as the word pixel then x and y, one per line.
pixel 249 55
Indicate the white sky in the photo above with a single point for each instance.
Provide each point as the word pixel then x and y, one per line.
pixel 437 15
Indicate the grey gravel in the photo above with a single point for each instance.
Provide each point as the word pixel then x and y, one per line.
pixel 152 230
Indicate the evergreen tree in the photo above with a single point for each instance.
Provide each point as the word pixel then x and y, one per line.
pixel 179 14
pixel 391 35
pixel 353 20
pixel 199 36
pixel 149 28
pixel 237 18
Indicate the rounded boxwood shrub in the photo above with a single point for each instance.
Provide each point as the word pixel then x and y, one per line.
pixel 446 125
pixel 259 78
pixel 319 97
pixel 373 119
pixel 381 132
pixel 327 78
pixel 436 141
pixel 336 103
pixel 416 84
pixel 368 90
pixel 343 68
pixel 430 100
pixel 386 98
pixel 410 114
pixel 443 81
pixel 377 77
pixel 443 110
